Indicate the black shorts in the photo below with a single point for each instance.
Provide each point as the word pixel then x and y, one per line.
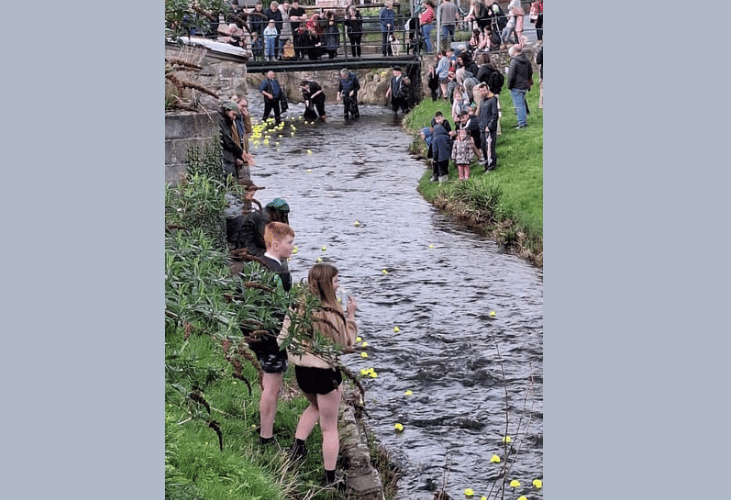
pixel 273 362
pixel 317 380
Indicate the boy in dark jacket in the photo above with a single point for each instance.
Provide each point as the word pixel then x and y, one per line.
pixel 442 152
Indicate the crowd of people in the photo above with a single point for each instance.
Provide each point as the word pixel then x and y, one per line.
pixel 265 234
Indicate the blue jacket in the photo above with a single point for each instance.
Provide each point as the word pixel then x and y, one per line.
pixel 350 83
pixel 441 145
pixel 387 16
pixel 271 86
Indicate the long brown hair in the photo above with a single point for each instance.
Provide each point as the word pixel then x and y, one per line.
pixel 320 281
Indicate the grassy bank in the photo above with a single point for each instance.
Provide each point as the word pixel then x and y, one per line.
pixel 507 203
pixel 212 386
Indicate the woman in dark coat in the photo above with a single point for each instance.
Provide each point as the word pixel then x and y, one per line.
pixel 354 28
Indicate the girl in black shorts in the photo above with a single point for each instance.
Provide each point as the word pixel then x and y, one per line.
pixel 318 379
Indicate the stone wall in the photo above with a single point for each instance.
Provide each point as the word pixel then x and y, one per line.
pixel 184 129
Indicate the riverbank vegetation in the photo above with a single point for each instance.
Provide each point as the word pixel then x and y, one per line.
pixel 212 381
pixel 507 203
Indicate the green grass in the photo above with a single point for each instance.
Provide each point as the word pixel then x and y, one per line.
pixel 517 217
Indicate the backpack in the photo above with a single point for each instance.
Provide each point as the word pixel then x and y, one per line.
pixel 495 81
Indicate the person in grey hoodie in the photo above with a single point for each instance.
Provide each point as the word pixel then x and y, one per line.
pixel 520 78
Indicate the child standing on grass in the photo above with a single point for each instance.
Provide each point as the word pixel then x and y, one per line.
pixel 270 37
pixel 321 379
pixel 279 240
pixel 463 151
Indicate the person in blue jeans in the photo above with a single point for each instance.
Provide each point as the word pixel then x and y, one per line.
pixel 387 19
pixel 270 39
pixel 520 77
pixel 448 17
pixel 426 20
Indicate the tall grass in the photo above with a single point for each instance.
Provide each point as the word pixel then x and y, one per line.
pixel 212 386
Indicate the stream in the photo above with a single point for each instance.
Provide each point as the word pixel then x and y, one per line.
pixel 440 284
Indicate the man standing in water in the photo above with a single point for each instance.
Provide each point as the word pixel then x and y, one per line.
pixel 348 91
pixel 398 91
pixel 272 94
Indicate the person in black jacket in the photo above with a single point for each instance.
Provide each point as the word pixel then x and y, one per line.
pixel 520 78
pixel 348 92
pixel 354 27
pixel 272 92
pixel 273 13
pixel 442 152
pixel 487 119
pixel 258 19
pixel 314 98
pixel 398 91
pixel 251 234
pixel 279 244
pixel 234 156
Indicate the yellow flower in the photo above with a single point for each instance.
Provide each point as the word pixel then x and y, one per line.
pixel 495 459
pixel 398 427
pixel 408 393
pixel 514 483
pixel 538 483
pixel 468 492
pixel 363 354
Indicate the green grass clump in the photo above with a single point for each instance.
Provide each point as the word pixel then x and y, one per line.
pixel 506 203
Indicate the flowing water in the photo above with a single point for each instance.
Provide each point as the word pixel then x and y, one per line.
pixel 440 284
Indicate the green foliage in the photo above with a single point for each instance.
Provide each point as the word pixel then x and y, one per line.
pixel 211 384
pixel 180 15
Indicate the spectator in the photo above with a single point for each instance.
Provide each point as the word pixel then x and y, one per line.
pixel 487 119
pixel 331 37
pixel 320 379
pixel 463 151
pixel 539 62
pixel 257 19
pixel 251 234
pixel 449 15
pixel 297 18
pixel 442 152
pixel 515 9
pixel 273 14
pixel 279 241
pixel 286 32
pixel 536 17
pixel 426 20
pixel 243 121
pixel 354 28
pixel 520 77
pixel 386 20
pixel 270 39
pixel 234 156
pixel 443 72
